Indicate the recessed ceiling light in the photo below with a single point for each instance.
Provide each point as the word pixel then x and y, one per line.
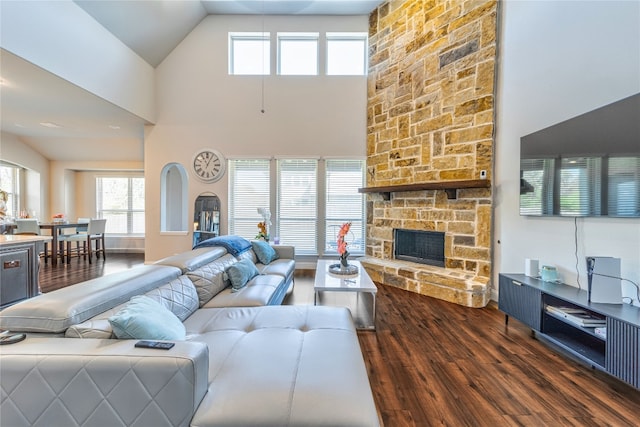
pixel 115 127
pixel 50 125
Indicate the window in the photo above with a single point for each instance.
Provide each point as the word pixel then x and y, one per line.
pixel 536 186
pixel 343 203
pixel 580 186
pixel 249 54
pixel 346 54
pixel 298 204
pixel 120 200
pixel 623 188
pixel 309 200
pixel 249 189
pixel 298 54
pixel 10 183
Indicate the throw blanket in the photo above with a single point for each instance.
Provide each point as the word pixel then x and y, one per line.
pixel 235 245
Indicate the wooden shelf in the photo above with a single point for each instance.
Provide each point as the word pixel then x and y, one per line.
pixel 450 187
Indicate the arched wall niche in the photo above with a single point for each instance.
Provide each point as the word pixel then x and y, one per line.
pixel 174 198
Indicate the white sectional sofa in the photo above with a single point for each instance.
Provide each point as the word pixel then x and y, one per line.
pixel 238 365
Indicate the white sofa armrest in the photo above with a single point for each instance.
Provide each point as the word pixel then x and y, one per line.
pixel 71 382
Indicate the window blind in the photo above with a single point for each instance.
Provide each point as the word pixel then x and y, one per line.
pixel 623 186
pixel 343 203
pixel 536 186
pixel 248 190
pixel 580 186
pixel 298 205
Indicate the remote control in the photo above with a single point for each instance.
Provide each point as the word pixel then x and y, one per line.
pixel 155 344
pixel 11 338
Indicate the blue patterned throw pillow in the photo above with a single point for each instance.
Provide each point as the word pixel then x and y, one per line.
pixel 265 253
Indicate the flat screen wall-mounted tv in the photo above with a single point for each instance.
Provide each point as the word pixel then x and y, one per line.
pixel 585 166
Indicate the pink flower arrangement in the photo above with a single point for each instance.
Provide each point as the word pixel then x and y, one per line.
pixel 342 244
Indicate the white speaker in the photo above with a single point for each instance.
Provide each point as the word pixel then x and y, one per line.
pixel 605 285
pixel 531 267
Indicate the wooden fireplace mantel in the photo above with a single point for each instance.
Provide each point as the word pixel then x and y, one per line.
pixel 450 187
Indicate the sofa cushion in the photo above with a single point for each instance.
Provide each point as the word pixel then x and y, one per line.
pixel 240 273
pixel 191 260
pixel 259 291
pixel 93 328
pixel 145 318
pixel 264 251
pixel 55 311
pixel 178 296
pixel 281 267
pixel 210 279
pixel 282 366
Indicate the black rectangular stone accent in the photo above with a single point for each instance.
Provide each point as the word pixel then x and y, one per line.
pixel 424 247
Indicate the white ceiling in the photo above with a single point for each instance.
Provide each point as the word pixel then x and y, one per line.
pixel 92 129
pixel 153 29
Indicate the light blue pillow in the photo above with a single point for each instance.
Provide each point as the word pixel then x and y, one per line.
pixel 241 272
pixel 145 319
pixel 264 251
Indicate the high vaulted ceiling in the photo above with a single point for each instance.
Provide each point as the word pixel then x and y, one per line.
pixel 33 100
pixel 153 28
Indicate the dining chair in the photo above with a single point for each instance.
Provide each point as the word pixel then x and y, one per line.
pixel 31 227
pixel 95 232
pixel 79 230
pixel 83 228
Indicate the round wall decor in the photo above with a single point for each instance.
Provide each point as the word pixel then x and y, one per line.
pixel 209 165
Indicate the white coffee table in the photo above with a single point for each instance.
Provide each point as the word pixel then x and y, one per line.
pixel 364 310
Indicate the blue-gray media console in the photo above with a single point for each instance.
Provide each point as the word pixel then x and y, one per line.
pixel 540 305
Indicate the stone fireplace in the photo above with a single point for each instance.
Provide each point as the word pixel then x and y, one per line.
pixel 430 137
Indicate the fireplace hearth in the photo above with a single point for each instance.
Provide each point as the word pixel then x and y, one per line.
pixel 424 247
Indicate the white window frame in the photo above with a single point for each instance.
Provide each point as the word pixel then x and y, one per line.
pixel 320 222
pixel 13 189
pixel 130 211
pixel 243 219
pixel 347 37
pixel 265 60
pixel 356 216
pixel 306 241
pixel 299 37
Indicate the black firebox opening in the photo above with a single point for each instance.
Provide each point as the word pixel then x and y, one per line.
pixel 425 247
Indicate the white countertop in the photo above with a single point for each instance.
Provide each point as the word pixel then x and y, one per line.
pixel 9 239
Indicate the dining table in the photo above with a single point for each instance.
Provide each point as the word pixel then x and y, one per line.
pixel 55 230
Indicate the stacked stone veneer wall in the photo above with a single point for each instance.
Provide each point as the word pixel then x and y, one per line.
pixel 431 119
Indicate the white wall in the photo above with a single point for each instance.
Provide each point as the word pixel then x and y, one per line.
pixel 200 105
pixel 63 39
pixel 13 150
pixel 558 60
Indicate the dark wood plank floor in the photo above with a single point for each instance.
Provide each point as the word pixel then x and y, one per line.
pixel 435 363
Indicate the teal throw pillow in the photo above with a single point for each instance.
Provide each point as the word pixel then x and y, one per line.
pixel 241 272
pixel 264 251
pixel 146 319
